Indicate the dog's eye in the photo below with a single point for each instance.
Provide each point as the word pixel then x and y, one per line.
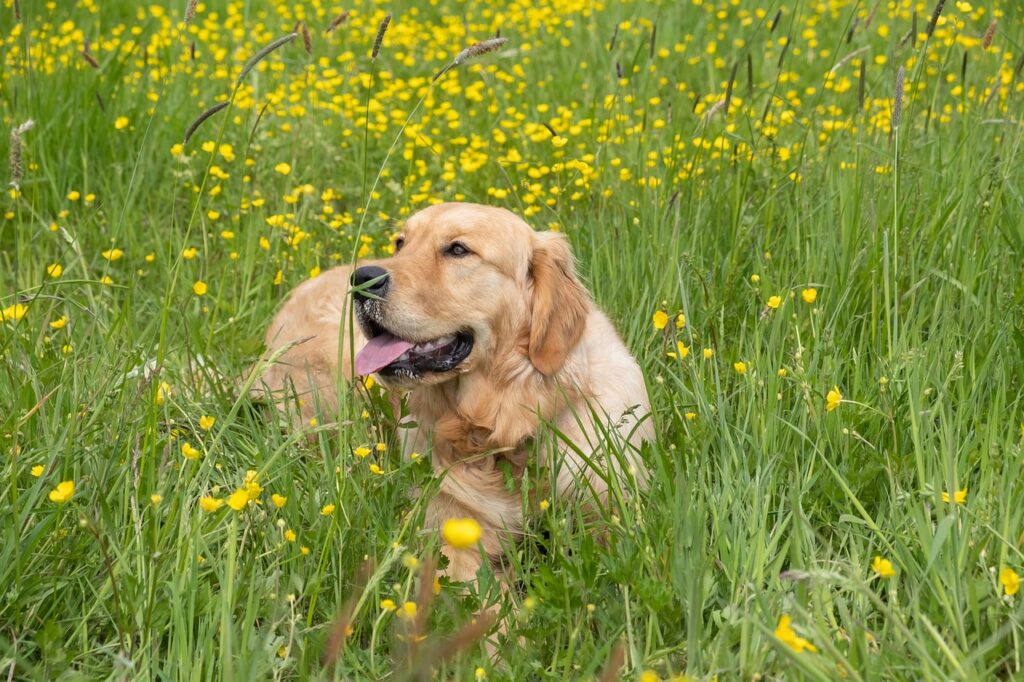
pixel 456 250
pixel 399 243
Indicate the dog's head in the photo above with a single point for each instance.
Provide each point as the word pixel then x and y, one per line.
pixel 467 284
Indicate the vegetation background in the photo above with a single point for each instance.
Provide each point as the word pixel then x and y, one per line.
pixel 805 217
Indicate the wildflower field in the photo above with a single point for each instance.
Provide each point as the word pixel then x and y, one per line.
pixel 806 218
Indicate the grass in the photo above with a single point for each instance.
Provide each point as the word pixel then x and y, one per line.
pixel 764 503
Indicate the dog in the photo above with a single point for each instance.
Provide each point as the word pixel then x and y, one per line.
pixel 485 326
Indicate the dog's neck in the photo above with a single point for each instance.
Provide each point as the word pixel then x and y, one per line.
pixel 495 408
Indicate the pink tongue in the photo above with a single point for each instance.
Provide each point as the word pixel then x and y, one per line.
pixel 380 352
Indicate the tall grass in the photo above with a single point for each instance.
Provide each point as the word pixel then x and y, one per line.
pixel 685 183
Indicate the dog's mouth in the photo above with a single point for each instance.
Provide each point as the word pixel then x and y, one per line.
pixel 389 355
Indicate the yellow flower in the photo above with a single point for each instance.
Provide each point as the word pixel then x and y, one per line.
pixel 660 319
pixel 74 195
pixel 788 636
pixel 960 496
pixel 809 295
pixel 55 270
pixel 37 470
pixel 755 278
pixel 388 605
pixel 681 350
pixel 199 288
pixel 177 149
pixel 832 399
pixel 558 141
pixel 289 535
pixel 189 452
pixel 64 491
pixel 680 321
pixel 544 504
pixel 882 567
pixel 278 500
pixel 278 277
pixel 283 168
pixel 304 550
pixel 251 487
pixel 121 122
pixel 376 469
pixel 155 499
pixel 238 499
pixel 708 353
pixel 408 610
pixel 211 504
pixel 60 322
pixel 740 367
pixel 13 312
pixel 206 423
pixel 1010 581
pixel 650 676
pixel 774 302
pixel 362 451
pixel 189 253
pixel 112 254
pixel 162 391
pixel 327 510
pixel 690 416
pixel 461 533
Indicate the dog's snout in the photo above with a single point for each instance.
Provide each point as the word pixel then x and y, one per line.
pixel 369 273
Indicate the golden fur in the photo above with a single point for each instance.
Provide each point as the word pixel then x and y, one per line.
pixel 542 353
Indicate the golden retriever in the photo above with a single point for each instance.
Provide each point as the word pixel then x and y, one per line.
pixel 485 325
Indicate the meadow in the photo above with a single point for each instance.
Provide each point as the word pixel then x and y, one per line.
pixel 806 218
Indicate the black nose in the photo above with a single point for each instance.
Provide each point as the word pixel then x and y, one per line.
pixel 369 273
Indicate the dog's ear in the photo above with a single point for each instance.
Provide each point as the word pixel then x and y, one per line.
pixel 560 303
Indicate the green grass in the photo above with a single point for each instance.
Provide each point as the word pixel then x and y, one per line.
pixel 763 503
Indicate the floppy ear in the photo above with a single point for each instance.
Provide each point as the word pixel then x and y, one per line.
pixel 560 303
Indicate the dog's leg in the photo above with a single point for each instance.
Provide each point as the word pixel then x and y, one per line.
pixel 500 520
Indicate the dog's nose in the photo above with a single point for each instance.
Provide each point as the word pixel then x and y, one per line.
pixel 368 273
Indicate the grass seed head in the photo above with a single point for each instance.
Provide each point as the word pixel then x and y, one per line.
pixel 379 40
pixel 471 52
pixel 897 105
pixel 338 21
pixel 15 165
pixel 935 17
pixel 303 30
pixel 990 34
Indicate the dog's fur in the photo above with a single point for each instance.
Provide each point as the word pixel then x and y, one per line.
pixel 542 353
